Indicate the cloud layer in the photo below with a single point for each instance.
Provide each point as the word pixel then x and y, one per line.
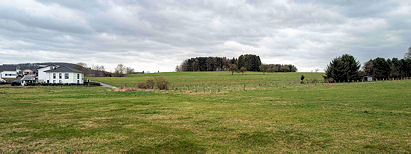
pixel 152 35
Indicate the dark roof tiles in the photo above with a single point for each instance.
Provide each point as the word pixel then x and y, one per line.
pixel 64 69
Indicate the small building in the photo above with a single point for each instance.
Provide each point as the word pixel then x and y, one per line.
pixel 8 73
pixel 28 79
pixel 368 78
pixel 62 74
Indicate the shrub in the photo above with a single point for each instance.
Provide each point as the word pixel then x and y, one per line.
pixel 329 80
pixel 15 83
pixel 149 84
pixel 162 83
pixel 144 85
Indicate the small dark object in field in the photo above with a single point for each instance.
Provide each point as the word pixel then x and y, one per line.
pixel 302 79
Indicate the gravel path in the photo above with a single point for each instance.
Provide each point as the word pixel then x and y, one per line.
pixel 106 85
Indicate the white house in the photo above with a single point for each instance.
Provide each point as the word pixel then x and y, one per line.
pixel 8 72
pixel 42 73
pixel 60 74
pixel 42 76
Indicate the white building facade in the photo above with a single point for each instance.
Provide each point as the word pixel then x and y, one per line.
pixel 64 77
pixel 61 74
pixel 9 74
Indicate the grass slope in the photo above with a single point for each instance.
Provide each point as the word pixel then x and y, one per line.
pixel 344 117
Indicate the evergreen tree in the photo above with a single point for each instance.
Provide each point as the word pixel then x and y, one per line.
pixel 344 68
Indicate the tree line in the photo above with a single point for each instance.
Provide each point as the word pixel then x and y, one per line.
pixel 205 64
pixel 346 68
pixel 99 70
pixel 243 63
pixel 277 68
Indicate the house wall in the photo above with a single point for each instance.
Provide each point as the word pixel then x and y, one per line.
pixel 72 77
pixel 9 74
pixel 42 76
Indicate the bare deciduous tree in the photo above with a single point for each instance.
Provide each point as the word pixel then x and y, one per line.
pixel 233 68
pixel 408 54
pixel 129 70
pixel 119 71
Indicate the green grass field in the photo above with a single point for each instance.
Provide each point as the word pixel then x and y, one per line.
pixel 282 116
pixel 211 82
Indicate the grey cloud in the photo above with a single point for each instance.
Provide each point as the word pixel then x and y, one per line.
pixel 152 35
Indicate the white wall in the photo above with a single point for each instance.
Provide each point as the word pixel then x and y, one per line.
pixel 42 76
pixel 72 77
pixel 4 76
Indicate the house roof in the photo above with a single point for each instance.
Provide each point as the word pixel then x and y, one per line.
pixel 7 68
pixel 27 66
pixel 64 69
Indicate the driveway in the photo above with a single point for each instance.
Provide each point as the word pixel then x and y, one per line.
pixel 105 85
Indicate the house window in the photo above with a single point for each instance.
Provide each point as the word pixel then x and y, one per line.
pixel 78 76
pixel 54 81
pixel 78 81
pixel 60 81
pixel 60 76
pixel 54 75
pixel 48 81
pixel 66 76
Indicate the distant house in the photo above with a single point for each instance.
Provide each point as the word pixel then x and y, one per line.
pixel 61 74
pixel 41 73
pixel 8 73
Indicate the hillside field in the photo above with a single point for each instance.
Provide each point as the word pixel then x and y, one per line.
pixel 210 112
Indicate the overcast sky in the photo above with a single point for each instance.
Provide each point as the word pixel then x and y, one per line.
pixel 155 35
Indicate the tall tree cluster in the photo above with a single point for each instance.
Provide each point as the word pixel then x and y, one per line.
pixel 206 64
pixel 381 68
pixel 249 62
pixel 277 68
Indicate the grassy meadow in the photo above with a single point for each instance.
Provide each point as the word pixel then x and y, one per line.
pixel 274 114
pixel 212 82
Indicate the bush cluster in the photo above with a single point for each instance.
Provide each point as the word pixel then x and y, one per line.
pixel 160 82
pixel 149 84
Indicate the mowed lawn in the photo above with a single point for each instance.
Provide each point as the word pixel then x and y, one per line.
pixel 343 117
